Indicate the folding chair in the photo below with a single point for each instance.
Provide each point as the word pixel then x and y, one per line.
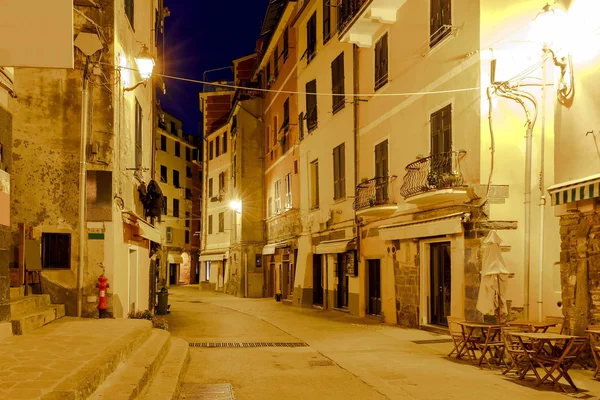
pixel 492 345
pixel 551 364
pixel 519 360
pixel 595 348
pixel 458 338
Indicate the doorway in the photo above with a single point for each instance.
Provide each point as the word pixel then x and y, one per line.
pixel 374 287
pixel 342 282
pixel 439 283
pixel 133 280
pixel 173 274
pixel 317 280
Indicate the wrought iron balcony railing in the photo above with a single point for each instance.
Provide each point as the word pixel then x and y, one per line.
pixel 374 192
pixel 348 9
pixel 438 171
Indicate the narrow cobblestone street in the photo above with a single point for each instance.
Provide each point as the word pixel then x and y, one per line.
pixel 347 358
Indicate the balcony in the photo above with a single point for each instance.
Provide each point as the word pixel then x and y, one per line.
pixel 434 179
pixel 375 197
pixel 359 20
pixel 284 226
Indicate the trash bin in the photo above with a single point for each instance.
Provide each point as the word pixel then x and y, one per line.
pixel 163 301
pixel 278 297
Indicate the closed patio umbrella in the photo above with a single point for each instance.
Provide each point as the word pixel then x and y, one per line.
pixel 494 275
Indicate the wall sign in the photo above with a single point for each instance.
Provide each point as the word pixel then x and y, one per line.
pixel 351 264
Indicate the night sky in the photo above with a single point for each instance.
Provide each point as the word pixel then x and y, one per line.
pixel 201 35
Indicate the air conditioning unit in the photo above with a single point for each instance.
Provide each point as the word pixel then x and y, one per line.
pixel 169 234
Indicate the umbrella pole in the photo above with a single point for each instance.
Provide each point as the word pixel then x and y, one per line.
pixel 499 305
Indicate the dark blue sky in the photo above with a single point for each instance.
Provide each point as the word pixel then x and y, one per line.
pixel 201 35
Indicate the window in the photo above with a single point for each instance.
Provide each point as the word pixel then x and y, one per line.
pixel 187 237
pixel 225 143
pixel 339 172
pixel 268 139
pixel 138 136
pixel 440 21
pixel 221 222
pixel 234 124
pixel 326 21
pixel 176 178
pixel 288 191
pixel 210 225
pixel 217 147
pixel 276 62
pixel 381 171
pixel 176 208
pixel 129 12
pixel 269 74
pixel 210 187
pixel 210 150
pixel 165 203
pixel 381 62
pixel 188 154
pixel 314 184
pixel 441 140
pixel 163 142
pixel 188 172
pixel 234 170
pixel 173 128
pixel 169 234
pixel 187 219
pixel 207 271
pixel 177 149
pixel 286 44
pixel 301 126
pixel 337 83
pixel 278 196
pixel 311 105
pixel 286 114
pixel 311 38
pixel 163 174
pixel 221 182
pixel 188 194
pixel 56 250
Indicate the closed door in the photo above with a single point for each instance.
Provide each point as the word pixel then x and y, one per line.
pixel 317 280
pixel 173 275
pixel 342 282
pixel 133 280
pixel 440 283
pixel 374 287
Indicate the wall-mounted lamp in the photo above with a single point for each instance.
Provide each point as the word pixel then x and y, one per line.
pixel 145 66
pixel 236 205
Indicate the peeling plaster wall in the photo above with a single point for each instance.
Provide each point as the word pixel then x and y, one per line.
pixel 6 166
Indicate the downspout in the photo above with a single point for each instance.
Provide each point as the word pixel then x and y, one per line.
pixel 85 109
pixel 542 203
pixel 527 216
pixel 355 77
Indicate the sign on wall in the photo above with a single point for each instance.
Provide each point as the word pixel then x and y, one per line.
pixel 351 264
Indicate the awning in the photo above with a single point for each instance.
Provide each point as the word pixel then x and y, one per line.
pixel 446 225
pixel 269 249
pixel 335 246
pixel 175 259
pixel 576 190
pixel 212 256
pixel 144 229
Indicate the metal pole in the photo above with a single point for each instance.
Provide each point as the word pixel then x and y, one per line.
pixel 85 106
pixel 527 217
pixel 542 204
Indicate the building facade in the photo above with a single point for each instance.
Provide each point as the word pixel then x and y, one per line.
pixel 118 240
pixel 176 169
pixel 277 70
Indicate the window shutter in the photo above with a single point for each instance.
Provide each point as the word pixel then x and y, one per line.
pixel 342 170
pixel 336 172
pixel 301 125
pixel 384 55
pixel 377 62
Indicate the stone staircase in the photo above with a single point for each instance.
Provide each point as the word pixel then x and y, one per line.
pixel 31 312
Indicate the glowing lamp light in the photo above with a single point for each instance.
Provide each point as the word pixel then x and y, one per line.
pixel 236 205
pixel 548 26
pixel 145 63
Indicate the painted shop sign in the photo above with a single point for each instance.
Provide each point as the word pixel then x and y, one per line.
pixel 351 267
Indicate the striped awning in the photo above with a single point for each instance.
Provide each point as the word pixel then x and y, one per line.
pixel 576 190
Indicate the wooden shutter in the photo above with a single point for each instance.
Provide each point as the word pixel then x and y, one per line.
pixel 336 172
pixel 301 126
pixel 342 169
pixel 384 56
pixel 377 63
pixel 445 12
pixel 435 17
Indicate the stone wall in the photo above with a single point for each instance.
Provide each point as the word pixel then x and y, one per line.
pixel 5 165
pixel 580 269
pixel 407 283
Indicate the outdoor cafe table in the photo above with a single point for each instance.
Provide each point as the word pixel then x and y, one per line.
pixel 539 340
pixel 541 327
pixel 489 332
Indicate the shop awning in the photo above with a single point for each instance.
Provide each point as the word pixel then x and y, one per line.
pixel 212 256
pixel 575 190
pixel 175 259
pixel 144 229
pixel 335 246
pixel 269 249
pixel 446 225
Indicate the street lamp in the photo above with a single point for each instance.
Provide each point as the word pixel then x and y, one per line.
pixel 145 66
pixel 236 205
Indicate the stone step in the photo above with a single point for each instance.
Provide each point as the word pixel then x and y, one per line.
pixel 167 382
pixel 131 378
pixel 29 322
pixel 27 304
pixel 17 292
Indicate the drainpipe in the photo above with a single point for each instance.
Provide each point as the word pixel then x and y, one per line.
pixel 355 77
pixel 527 216
pixel 85 110
pixel 542 203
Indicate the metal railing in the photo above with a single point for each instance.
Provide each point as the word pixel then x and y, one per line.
pixel 348 9
pixel 438 171
pixel 374 192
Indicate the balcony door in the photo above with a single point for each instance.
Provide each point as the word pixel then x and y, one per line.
pixel 441 142
pixel 381 172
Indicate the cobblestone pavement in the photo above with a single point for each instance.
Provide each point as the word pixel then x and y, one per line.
pixel 58 355
pixel 370 360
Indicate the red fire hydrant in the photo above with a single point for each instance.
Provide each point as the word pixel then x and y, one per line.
pixel 102 285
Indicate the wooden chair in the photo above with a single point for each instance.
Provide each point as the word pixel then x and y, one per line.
pixel 560 324
pixel 458 338
pixel 561 364
pixel 519 360
pixel 493 345
pixel 595 348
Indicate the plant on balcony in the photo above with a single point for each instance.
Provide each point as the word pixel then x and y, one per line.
pixel 433 179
